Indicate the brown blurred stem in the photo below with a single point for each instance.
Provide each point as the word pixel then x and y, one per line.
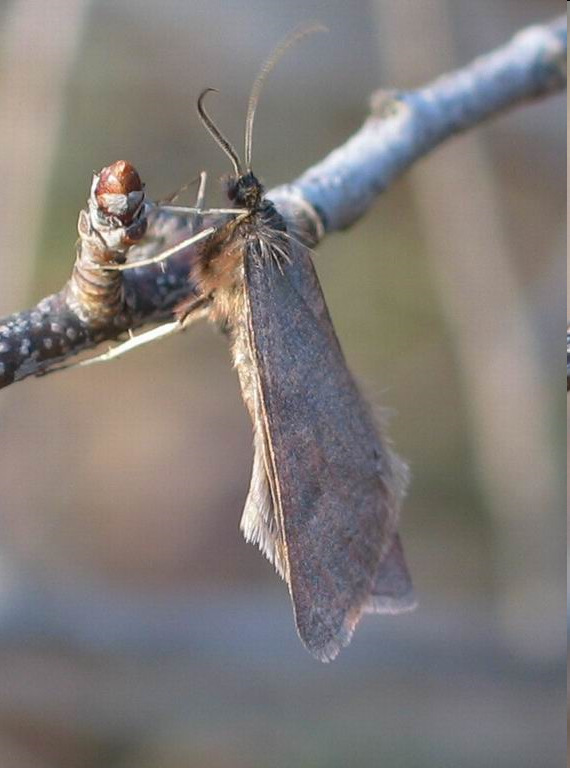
pixel 403 127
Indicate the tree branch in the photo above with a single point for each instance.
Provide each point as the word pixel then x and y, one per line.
pixel 403 127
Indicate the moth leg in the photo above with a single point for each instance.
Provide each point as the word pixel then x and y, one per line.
pixel 201 198
pixel 202 235
pixel 199 208
pixel 201 194
pixel 184 210
pixel 164 254
pixel 164 202
pixel 160 332
pixel 194 311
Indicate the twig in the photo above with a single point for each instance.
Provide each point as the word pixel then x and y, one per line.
pixel 403 127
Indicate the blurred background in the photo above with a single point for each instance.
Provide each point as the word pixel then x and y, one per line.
pixel 137 629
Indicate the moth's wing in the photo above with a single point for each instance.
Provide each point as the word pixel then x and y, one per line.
pixel 259 521
pixel 335 485
pixel 392 589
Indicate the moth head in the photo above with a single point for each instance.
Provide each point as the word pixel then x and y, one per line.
pixel 244 191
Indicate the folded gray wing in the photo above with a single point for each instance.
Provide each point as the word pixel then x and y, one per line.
pixel 335 486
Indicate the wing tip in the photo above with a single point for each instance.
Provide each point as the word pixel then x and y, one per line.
pixel 373 604
pixel 392 593
pixel 330 650
pixel 390 604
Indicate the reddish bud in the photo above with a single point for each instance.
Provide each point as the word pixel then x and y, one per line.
pixel 120 178
pixel 119 191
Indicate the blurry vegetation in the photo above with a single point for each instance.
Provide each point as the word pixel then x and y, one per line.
pixel 133 476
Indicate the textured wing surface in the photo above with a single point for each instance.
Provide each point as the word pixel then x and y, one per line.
pixel 335 485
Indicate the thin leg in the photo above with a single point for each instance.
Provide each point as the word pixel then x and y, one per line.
pixel 184 210
pixel 201 194
pixel 175 195
pixel 205 233
pixel 195 311
pixel 200 199
pixel 167 203
pixel 160 332
pixel 164 202
pixel 163 255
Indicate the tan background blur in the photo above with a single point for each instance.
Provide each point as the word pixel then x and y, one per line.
pixel 136 626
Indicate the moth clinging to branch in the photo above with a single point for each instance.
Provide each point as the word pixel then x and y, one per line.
pixel 326 489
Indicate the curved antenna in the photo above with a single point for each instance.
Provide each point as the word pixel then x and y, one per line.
pixel 215 132
pixel 292 38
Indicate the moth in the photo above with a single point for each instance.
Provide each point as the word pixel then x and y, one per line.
pixel 326 488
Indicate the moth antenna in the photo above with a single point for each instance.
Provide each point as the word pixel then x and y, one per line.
pixel 292 39
pixel 215 132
